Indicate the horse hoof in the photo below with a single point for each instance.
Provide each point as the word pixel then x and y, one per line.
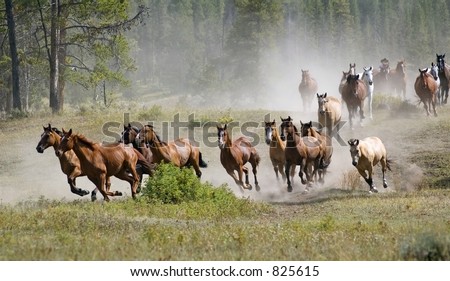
pixel 373 190
pixel 117 193
pixel 257 188
pixel 138 190
pixel 84 192
pixel 289 188
pixel 249 187
pixel 93 198
pixel 385 185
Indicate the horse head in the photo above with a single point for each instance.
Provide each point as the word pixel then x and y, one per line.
pixel 322 100
pixel 434 71
pixel 355 152
pixel 129 134
pixel 352 69
pixel 66 143
pixel 270 128
pixel 285 122
pixel 353 81
pixel 47 139
pixel 304 128
pixel 440 62
pixel 222 136
pixel 367 75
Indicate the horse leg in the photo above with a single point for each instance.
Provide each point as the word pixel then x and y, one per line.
pixel 254 171
pixel 100 183
pixel 72 183
pixel 245 170
pixel 370 105
pixel 195 161
pixel 287 167
pixel 280 168
pixel 433 104
pixel 383 170
pixel 303 170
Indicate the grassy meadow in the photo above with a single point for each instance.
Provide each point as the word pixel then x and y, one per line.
pixel 410 220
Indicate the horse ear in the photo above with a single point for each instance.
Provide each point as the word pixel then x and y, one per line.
pixel 225 127
pixel 371 68
pixel 310 123
pixel 325 95
pixel 318 95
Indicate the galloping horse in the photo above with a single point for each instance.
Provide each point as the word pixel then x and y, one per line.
pixel 381 79
pixel 129 135
pixel 69 162
pixel 306 130
pixel 444 76
pixel 426 88
pixel 366 154
pixel 307 88
pixel 397 79
pixel 304 151
pixel 235 154
pixel 354 94
pixel 367 77
pixel 329 113
pixel 101 162
pixel 434 71
pixel 179 152
pixel 276 149
pixel 352 69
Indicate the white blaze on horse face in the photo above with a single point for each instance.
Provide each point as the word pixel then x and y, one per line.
pixel 268 135
pixel 220 140
pixel 355 154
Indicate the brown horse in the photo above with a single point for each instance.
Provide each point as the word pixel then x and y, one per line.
pixel 426 87
pixel 69 162
pixel 329 113
pixel 397 79
pixel 381 80
pixel 101 162
pixel 343 80
pixel 303 151
pixel 353 94
pixel 306 130
pixel 307 89
pixel 179 152
pixel 276 149
pixel 235 154
pixel 366 154
pixel 129 135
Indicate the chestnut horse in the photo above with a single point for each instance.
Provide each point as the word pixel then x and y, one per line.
pixel 101 162
pixel 129 135
pixel 397 79
pixel 303 151
pixel 307 89
pixel 426 88
pixel 354 93
pixel 179 152
pixel 235 154
pixel 444 76
pixel 366 154
pixel 306 130
pixel 69 162
pixel 329 113
pixel 276 149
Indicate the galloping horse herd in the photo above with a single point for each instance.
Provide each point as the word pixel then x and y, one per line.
pixel 141 149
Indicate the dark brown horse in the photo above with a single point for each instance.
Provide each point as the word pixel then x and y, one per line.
pixel 444 77
pixel 179 152
pixel 353 94
pixel 303 151
pixel 397 79
pixel 276 149
pixel 343 80
pixel 381 80
pixel 426 88
pixel 235 154
pixel 307 89
pixel 101 162
pixel 307 129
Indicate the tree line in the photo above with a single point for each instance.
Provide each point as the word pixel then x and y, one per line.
pixel 201 47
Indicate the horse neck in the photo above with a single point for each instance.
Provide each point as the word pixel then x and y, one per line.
pixel 57 141
pixel 159 148
pixel 276 139
pixel 83 151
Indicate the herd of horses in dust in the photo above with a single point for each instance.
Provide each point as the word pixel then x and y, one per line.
pixel 141 149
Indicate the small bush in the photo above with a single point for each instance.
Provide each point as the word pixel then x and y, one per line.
pixel 172 185
pixel 426 247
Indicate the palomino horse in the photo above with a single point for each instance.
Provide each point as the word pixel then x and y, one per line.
pixel 69 162
pixel 307 89
pixel 354 94
pixel 329 113
pixel 179 152
pixel 397 79
pixel 366 154
pixel 304 151
pixel 235 154
pixel 444 76
pixel 101 162
pixel 367 77
pixel 434 71
pixel 306 130
pixel 276 149
pixel 426 88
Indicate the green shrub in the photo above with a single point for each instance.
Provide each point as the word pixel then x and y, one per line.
pixel 172 185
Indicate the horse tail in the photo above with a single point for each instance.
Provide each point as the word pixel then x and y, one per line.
pixel 147 168
pixel 388 164
pixel 201 162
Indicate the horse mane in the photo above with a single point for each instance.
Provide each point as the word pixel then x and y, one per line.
pixel 57 131
pixel 85 140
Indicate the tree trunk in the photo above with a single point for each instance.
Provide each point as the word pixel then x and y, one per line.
pixel 54 58
pixel 17 104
